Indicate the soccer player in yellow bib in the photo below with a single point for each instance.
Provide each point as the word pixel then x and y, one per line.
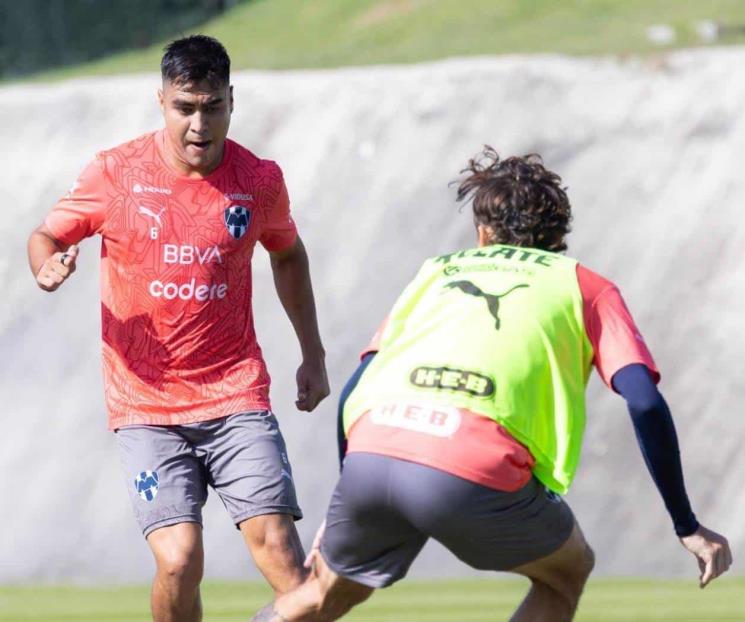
pixel 464 421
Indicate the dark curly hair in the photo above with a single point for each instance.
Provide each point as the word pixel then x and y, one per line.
pixel 518 199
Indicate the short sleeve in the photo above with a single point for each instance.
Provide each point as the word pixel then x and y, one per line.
pixel 615 338
pixel 390 329
pixel 279 230
pixel 374 344
pixel 82 211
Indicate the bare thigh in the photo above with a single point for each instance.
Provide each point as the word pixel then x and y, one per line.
pixel 178 549
pixel 566 569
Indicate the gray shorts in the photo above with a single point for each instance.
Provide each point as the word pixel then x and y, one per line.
pixel 242 457
pixel 384 510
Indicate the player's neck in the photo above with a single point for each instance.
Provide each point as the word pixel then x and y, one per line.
pixel 175 160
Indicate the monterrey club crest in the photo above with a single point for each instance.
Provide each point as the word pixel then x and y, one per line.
pixel 237 219
pixel 146 485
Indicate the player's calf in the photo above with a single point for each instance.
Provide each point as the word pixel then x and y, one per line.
pixel 324 597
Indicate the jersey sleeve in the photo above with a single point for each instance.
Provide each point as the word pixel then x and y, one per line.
pixel 615 338
pixel 374 344
pixel 279 231
pixel 82 211
pixel 388 329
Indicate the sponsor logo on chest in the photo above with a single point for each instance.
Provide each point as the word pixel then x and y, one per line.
pixel 235 218
pixel 187 255
pixel 238 196
pixel 140 188
pixel 192 289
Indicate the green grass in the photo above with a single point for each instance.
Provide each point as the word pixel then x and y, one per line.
pixel 282 34
pixel 436 601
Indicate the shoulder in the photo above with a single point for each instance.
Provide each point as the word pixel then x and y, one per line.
pixel 135 147
pixel 593 285
pixel 137 150
pixel 249 161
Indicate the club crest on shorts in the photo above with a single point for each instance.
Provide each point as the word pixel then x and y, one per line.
pixel 146 485
pixel 237 219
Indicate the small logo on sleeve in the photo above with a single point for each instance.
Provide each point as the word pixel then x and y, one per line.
pixel 237 218
pixel 146 485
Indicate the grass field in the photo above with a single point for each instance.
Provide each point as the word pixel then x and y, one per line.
pixel 437 601
pixel 281 34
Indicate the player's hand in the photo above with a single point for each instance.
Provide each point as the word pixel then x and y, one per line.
pixel 312 383
pixel 57 269
pixel 316 546
pixel 711 551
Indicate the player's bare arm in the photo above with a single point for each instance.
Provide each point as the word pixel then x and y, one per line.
pixel 292 280
pixel 51 262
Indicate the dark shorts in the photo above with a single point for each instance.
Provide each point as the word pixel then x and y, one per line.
pixel 384 510
pixel 242 457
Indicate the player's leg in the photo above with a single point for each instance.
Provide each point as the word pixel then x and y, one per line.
pixel 247 464
pixel 323 597
pixel 167 489
pixel 179 559
pixel 367 544
pixel 276 549
pixel 557 581
pixel 531 532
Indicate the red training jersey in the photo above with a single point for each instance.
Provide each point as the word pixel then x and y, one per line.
pixel 178 338
pixel 481 450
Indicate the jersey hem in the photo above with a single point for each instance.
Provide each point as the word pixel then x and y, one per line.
pixel 453 469
pixel 121 421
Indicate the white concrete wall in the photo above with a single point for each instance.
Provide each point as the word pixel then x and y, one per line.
pixel 652 154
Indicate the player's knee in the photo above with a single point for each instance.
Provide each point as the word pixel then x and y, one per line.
pixel 586 563
pixel 275 541
pixel 182 567
pixel 273 537
pixel 578 572
pixel 575 580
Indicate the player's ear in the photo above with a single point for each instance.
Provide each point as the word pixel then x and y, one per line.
pixel 485 235
pixel 161 101
pixel 231 97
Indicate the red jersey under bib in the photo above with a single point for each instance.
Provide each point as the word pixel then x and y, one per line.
pixel 481 450
pixel 178 338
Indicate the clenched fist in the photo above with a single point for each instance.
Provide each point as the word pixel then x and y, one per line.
pixel 57 269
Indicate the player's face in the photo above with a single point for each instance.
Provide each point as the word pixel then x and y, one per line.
pixel 197 118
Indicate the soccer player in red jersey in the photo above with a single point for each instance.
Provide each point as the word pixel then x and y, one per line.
pixel 179 212
pixel 464 421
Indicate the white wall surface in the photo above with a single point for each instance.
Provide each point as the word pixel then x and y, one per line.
pixel 652 153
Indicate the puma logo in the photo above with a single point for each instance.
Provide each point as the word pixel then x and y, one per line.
pixel 492 300
pixel 146 212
